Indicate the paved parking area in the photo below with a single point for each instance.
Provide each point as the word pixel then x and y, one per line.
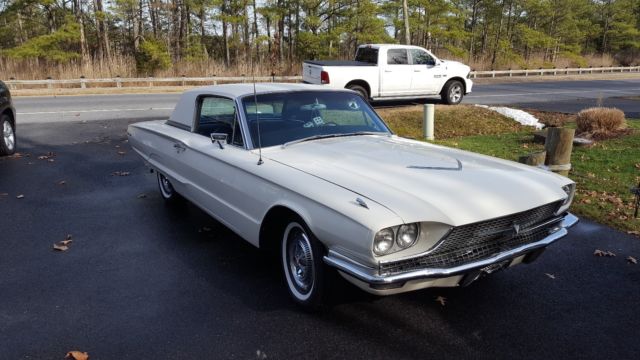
pixel 144 281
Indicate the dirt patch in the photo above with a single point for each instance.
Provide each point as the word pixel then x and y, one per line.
pixel 549 118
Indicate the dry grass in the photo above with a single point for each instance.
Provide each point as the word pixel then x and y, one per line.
pixel 600 123
pixel 450 121
pixel 124 66
pixel 32 69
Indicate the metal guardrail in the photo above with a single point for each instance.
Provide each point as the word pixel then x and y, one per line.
pixel 150 82
pixel 554 71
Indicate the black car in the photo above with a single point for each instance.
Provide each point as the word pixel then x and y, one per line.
pixel 7 122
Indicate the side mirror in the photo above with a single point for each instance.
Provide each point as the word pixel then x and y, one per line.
pixel 219 138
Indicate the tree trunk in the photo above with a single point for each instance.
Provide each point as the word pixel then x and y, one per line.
pixel 102 31
pixel 77 10
pixel 405 15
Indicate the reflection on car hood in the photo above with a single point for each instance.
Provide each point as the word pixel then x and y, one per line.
pixel 423 182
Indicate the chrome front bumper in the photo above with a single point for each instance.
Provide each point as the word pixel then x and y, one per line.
pixel 372 277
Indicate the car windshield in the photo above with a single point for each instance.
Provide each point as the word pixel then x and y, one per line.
pixel 307 115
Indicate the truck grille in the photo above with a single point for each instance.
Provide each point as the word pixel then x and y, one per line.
pixel 481 240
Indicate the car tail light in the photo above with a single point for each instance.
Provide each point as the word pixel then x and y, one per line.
pixel 324 77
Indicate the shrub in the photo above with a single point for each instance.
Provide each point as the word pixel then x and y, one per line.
pixel 151 57
pixel 600 122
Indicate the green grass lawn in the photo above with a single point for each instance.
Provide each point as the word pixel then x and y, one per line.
pixel 603 172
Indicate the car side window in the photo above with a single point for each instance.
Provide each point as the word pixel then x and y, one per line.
pixel 421 57
pixel 218 115
pixel 397 57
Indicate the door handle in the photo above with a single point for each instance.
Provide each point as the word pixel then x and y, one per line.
pixel 179 147
pixel 417 70
pixel 388 70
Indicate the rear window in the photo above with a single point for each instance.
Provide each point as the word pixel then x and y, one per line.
pixel 368 55
pixel 397 57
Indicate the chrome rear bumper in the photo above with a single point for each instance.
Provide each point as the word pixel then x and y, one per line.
pixel 374 279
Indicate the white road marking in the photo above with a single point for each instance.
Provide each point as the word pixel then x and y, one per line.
pixel 87 111
pixel 553 93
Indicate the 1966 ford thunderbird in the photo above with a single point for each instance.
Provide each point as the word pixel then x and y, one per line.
pixel 317 176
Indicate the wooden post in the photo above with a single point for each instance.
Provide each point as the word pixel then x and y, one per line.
pixel 533 159
pixel 558 146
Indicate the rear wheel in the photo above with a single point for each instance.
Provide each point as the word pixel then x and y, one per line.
pixel 167 191
pixel 7 136
pixel 360 90
pixel 301 256
pixel 453 92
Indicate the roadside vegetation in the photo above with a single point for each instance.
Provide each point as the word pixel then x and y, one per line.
pixel 604 172
pixel 66 39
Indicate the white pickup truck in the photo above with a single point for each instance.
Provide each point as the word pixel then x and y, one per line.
pixel 390 72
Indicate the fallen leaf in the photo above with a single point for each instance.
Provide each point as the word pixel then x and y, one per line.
pixel 20 196
pixel 120 173
pixel 122 153
pixel 442 300
pixel 77 355
pixel 632 260
pixel 550 276
pixel 633 232
pixel 142 196
pixel 117 146
pixel 60 247
pixel 607 253
pixel 62 182
pixel 51 160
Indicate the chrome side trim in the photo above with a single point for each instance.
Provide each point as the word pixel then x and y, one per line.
pixel 370 275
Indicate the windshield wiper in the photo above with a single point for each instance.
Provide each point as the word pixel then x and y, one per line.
pixel 326 136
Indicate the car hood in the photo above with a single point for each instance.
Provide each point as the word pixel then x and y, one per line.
pixel 450 64
pixel 423 182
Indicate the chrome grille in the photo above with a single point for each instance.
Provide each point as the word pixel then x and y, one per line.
pixel 473 242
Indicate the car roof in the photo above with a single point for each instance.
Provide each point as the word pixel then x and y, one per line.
pixel 185 109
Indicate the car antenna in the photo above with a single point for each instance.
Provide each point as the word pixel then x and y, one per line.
pixel 255 101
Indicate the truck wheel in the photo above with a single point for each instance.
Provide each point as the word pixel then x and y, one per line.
pixel 360 90
pixel 452 92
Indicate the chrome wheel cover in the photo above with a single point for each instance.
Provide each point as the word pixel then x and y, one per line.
pixel 9 137
pixel 165 186
pixel 298 261
pixel 455 93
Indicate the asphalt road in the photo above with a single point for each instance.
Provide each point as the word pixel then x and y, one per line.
pixel 564 96
pixel 145 281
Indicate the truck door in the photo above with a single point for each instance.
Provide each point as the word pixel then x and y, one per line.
pixel 395 75
pixel 428 77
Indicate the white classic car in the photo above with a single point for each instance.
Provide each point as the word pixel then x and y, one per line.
pixel 316 175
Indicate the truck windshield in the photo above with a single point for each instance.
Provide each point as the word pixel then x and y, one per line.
pixel 290 116
pixel 368 55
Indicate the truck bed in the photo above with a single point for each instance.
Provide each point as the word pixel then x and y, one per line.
pixel 338 63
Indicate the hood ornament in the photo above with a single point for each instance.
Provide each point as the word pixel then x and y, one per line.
pixel 361 202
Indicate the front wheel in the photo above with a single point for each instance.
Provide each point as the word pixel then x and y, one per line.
pixel 301 256
pixel 452 92
pixel 7 136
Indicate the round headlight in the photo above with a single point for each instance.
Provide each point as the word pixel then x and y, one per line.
pixel 569 189
pixel 407 235
pixel 383 242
